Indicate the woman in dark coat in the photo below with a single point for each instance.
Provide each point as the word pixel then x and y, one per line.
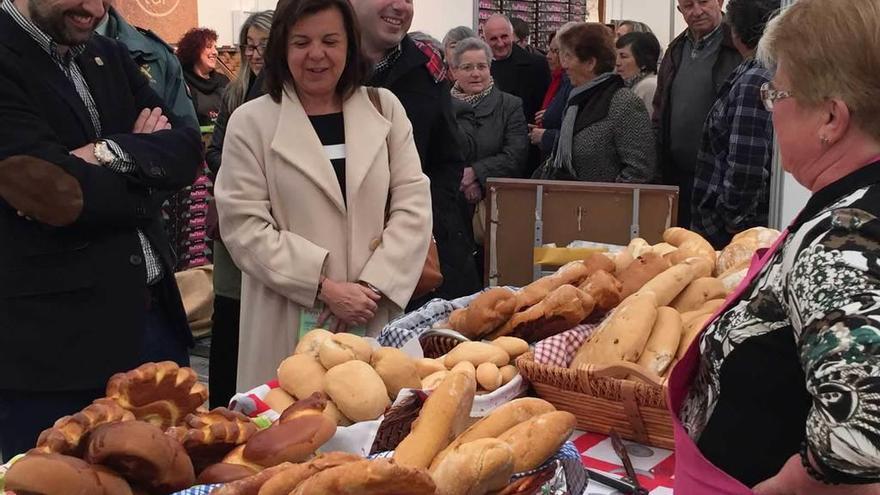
pixel 197 51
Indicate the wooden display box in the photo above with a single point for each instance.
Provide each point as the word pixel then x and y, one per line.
pixel 524 214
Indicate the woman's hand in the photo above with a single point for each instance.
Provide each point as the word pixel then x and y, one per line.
pixel 539 117
pixel 351 304
pixel 793 479
pixel 536 134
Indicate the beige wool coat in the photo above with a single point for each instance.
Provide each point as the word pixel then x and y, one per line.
pixel 284 221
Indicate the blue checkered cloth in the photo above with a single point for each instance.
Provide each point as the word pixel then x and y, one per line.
pixel 412 325
pixel 198 490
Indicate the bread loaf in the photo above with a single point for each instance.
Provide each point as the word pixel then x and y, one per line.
pixel 669 284
pixel 343 347
pixel 604 288
pixel 435 379
pixel 69 432
pixel 475 468
pixel 497 422
pixel 477 353
pixel 357 390
pixel 286 480
pixel 743 246
pixel 561 310
pixel 397 370
pixel 702 267
pixel 638 247
pixel 224 472
pixel 623 335
pixel 291 441
pixel 251 485
pixel 373 477
pixel 734 276
pixel 663 248
pixel 334 414
pixel 159 393
pixel 467 368
pixel 143 454
pixel 689 244
pixel 52 474
pixel 697 293
pixel 569 274
pixel 535 440
pixel 279 400
pixel 513 346
pixel 690 332
pixel 111 482
pixel 208 436
pixel 427 366
pixel 640 271
pixel 486 312
pixel 598 262
pixel 663 343
pixel 488 377
pixel 708 308
pixel 443 417
pixel 301 375
pixel 310 343
pixel 508 373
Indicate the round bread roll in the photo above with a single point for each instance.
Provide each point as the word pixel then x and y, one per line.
pixel 434 379
pixel 477 353
pixel 310 343
pixel 513 346
pixel 278 400
pixel 427 366
pixel 343 347
pixel 488 376
pixel 357 390
pixel 396 369
pixel 301 375
pixel 335 415
pixel 52 474
pixel 508 373
pixel 467 368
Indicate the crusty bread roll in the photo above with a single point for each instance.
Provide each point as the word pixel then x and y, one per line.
pixel 561 310
pixel 301 375
pixel 638 247
pixel 508 373
pixel 663 248
pixel 357 390
pixel 663 343
pixel 698 292
pixel 285 481
pixel 733 276
pixel 569 274
pixel 434 380
pixel 476 353
pixel 343 347
pixel 689 244
pixel 335 415
pixel 142 454
pixel 743 247
pixel 486 312
pixel 292 441
pixel 310 343
pixel 497 422
pixel 465 367
pixel 52 474
pixel 475 468
pixel 701 266
pixel 278 399
pixel 368 477
pixel 513 346
pixel 488 377
pixel 535 440
pixel 443 417
pixel 397 370
pixel 605 290
pixel 622 336
pixel 640 271
pixel 428 366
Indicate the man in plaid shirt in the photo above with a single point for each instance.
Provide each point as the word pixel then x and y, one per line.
pixel 732 181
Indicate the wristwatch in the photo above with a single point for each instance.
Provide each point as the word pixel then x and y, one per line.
pixel 103 153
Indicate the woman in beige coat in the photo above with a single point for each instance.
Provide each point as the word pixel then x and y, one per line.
pixel 321 197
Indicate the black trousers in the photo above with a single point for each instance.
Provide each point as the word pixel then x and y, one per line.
pixel 223 363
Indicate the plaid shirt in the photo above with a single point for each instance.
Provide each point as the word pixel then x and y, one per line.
pixel 66 62
pixel 732 179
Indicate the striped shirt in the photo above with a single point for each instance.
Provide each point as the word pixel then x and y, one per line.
pixel 66 62
pixel 330 129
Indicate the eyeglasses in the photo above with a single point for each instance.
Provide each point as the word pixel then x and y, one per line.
pixel 250 49
pixel 770 95
pixel 469 67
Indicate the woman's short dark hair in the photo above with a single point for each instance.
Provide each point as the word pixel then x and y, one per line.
pixel 590 40
pixel 748 18
pixel 191 45
pixel 292 11
pixel 645 49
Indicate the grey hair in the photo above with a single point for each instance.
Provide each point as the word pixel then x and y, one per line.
pixel 765 53
pixel 238 89
pixel 457 34
pixel 469 45
pixel 636 26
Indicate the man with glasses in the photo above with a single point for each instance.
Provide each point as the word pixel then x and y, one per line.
pixel 696 65
pixel 156 60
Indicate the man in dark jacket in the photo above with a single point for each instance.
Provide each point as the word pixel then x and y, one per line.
pixel 696 65
pixel 88 153
pixel 156 60
pixel 517 72
pixel 416 74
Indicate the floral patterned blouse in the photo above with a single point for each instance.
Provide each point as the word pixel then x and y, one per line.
pixel 794 364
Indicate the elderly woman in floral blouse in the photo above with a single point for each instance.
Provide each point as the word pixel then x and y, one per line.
pixel 781 393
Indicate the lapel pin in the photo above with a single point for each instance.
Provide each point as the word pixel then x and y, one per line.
pixel 99 61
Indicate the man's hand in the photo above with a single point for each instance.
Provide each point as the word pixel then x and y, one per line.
pixel 793 479
pixel 473 193
pixel 539 117
pixel 150 121
pixel 86 153
pixel 468 177
pixel 351 304
pixel 536 134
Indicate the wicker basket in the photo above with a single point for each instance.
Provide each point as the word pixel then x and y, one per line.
pixel 636 410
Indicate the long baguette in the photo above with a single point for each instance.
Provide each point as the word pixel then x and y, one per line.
pixel 623 335
pixel 663 343
pixel 669 284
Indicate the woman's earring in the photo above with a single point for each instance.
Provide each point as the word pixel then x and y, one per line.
pixel 825 141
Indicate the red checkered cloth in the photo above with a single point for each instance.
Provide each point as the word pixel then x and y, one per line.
pixel 560 349
pixel 435 64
